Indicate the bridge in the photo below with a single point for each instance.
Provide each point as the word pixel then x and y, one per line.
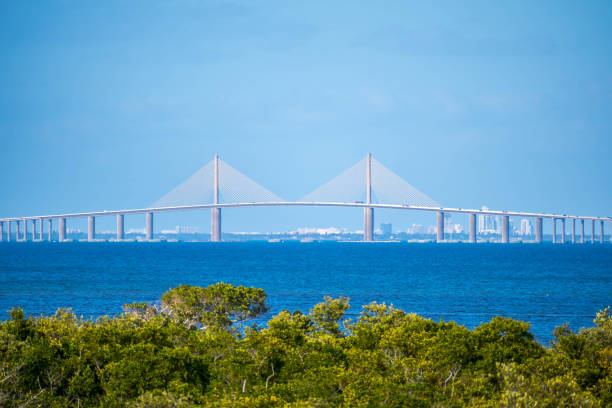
pixel 361 186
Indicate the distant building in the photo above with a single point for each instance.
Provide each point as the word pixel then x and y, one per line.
pixel 431 230
pixel 187 229
pixel 488 224
pixel 417 229
pixel 526 227
pixel 181 229
pixel 320 231
pixel 451 228
pixel 386 229
pixel 448 224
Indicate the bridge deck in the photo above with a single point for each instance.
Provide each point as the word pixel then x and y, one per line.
pixel 305 204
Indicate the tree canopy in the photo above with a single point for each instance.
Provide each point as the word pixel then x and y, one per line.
pixel 185 354
pixel 218 305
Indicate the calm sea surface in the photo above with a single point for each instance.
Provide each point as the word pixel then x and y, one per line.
pixel 544 284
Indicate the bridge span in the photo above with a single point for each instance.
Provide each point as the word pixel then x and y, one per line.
pixel 38 221
pixel 368 206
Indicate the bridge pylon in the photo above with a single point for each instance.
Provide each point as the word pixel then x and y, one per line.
pixel 368 212
pixel 215 222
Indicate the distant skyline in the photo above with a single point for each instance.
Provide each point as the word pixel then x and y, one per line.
pixel 111 105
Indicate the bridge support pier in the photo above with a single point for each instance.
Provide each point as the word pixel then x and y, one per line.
pixel 538 230
pixel 573 230
pixel 215 225
pixel 1 231
pixel 62 229
pixel 554 234
pixel 368 224
pixel 472 228
pixel 601 230
pixel 91 228
pixel 582 231
pixel 25 229
pixel 50 230
pixel 33 230
pixel 149 228
pixel 563 230
pixel 18 230
pixel 592 231
pixel 8 231
pixel 120 228
pixel 40 232
pixel 505 229
pixel 440 227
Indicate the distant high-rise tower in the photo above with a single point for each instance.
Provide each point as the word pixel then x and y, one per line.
pixel 526 228
pixel 488 224
pixel 482 220
pixel 448 224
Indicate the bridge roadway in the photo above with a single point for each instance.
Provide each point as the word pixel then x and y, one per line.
pixel 367 206
pixel 306 204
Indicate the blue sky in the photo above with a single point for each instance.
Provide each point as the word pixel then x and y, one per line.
pixel 107 105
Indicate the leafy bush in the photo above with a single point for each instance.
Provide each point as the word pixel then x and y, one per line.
pixel 187 354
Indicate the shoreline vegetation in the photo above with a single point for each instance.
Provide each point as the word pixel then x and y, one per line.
pixel 198 348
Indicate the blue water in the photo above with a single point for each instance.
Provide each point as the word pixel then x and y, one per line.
pixel 546 285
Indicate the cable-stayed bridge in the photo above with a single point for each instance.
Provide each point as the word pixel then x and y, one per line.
pixel 368 185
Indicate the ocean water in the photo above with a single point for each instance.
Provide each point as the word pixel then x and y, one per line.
pixel 545 285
